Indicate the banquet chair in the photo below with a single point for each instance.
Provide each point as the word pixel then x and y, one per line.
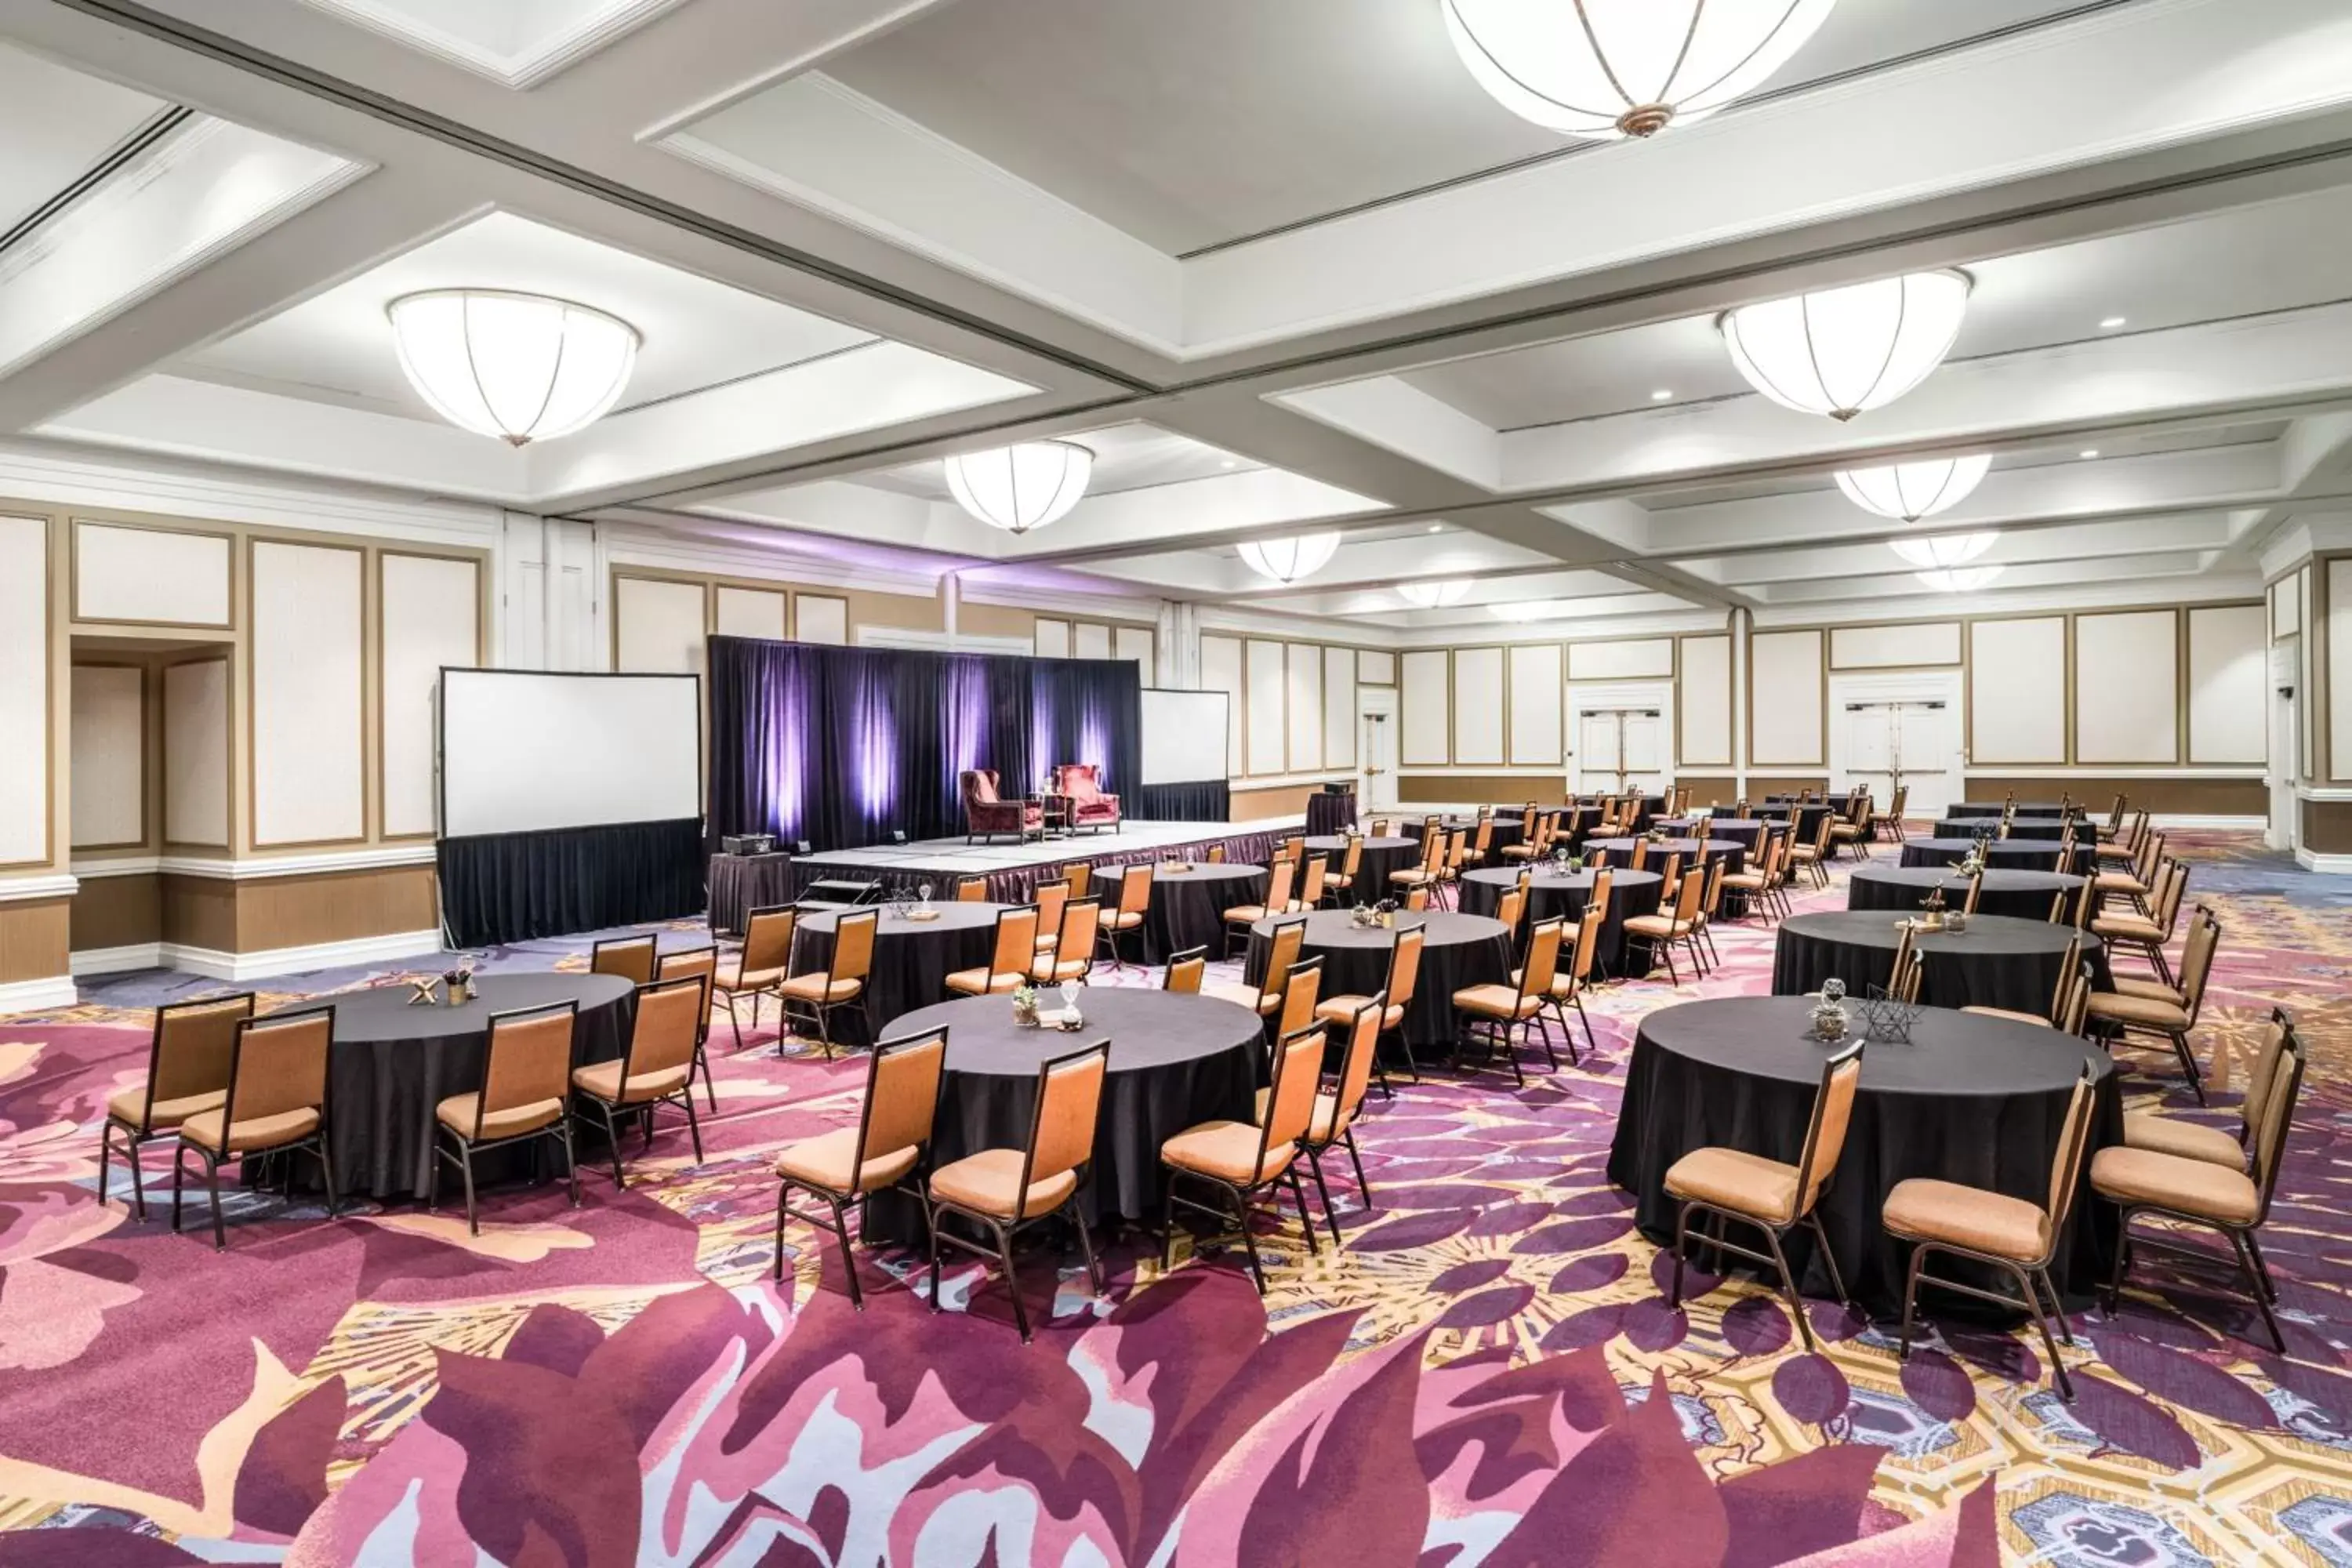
pixel 2115 823
pixel 1310 887
pixel 655 1067
pixel 1050 898
pixel 1417 900
pixel 1511 909
pixel 630 957
pixel 2171 1012
pixel 1571 980
pixel 1235 1162
pixel 1889 823
pixel 1336 1110
pixel 1909 972
pixel 526 1074
pixel 1849 829
pixel 1739 811
pixel 1292 847
pixel 275 1102
pixel 1491 1011
pixel 818 995
pixel 1216 854
pixel 1186 970
pixel 702 962
pixel 2016 1236
pixel 1535 839
pixel 759 968
pixel 1342 884
pixel 1380 828
pixel 1423 877
pixel 1081 918
pixel 1813 858
pixel 971 889
pixel 1709 908
pixel 1661 931
pixel 1975 894
pixel 2123 844
pixel 1125 919
pixel 1265 998
pixel 1007 1191
pixel 1639 859
pixel 986 814
pixel 1755 884
pixel 2136 882
pixel 188 1057
pixel 1481 847
pixel 2194 1140
pixel 1277 902
pixel 882 1152
pixel 1398 987
pixel 1449 874
pixel 1300 988
pixel 2147 934
pixel 1011 957
pixel 2062 999
pixel 1077 874
pixel 1768 1196
pixel 2183 1190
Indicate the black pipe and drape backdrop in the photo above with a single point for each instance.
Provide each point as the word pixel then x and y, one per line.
pixel 841 745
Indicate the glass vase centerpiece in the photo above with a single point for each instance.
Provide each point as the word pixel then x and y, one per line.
pixel 1828 1019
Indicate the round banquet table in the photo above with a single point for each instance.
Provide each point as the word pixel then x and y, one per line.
pixel 1188 908
pixel 1743 831
pixel 391 1064
pixel 1996 963
pixel 2001 853
pixel 1576 822
pixel 1807 818
pixel 1330 811
pixel 2045 829
pixel 1976 1100
pixel 1381 856
pixel 1693 851
pixel 1176 1061
pixel 1565 893
pixel 1506 828
pixel 1960 810
pixel 912 959
pixel 2024 894
pixel 1457 949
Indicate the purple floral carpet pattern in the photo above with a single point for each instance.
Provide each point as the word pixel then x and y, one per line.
pixel 1488 1373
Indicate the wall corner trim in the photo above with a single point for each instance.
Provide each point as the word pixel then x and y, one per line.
pixel 38 995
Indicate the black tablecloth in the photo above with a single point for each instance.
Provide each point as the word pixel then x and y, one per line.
pixel 912 959
pixel 1807 818
pixel 392 1063
pixel 742 883
pixel 1381 856
pixel 1743 831
pixel 1996 963
pixel 1507 829
pixel 1329 812
pixel 1459 950
pixel 1175 1061
pixel 1976 1100
pixel 1188 908
pixel 1620 851
pixel 1968 808
pixel 1565 894
pixel 2008 854
pixel 2024 894
pixel 2045 829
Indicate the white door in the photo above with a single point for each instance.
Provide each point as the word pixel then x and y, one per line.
pixel 1643 752
pixel 1376 784
pixel 2286 829
pixel 1598 753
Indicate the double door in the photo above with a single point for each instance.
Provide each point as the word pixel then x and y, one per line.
pixel 1620 751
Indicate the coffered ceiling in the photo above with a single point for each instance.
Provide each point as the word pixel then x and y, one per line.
pixel 1282 268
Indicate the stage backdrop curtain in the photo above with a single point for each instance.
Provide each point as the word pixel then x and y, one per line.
pixel 840 746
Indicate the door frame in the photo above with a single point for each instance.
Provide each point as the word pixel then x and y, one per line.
pixel 1378 703
pixel 1942 686
pixel 1607 696
pixel 2285 747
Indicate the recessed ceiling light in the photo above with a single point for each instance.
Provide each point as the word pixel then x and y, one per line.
pixel 2112 322
pixel 2088 452
pixel 1663 395
pixel 1229 463
pixel 1437 528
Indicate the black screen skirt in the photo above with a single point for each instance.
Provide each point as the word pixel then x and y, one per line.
pixel 510 887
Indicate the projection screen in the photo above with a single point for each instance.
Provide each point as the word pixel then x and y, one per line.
pixel 523 752
pixel 1184 736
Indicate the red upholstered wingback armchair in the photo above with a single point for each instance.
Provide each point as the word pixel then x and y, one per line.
pixel 1090 807
pixel 985 815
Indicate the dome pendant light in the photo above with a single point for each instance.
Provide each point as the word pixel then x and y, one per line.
pixel 1942 550
pixel 1959 582
pixel 1842 352
pixel 1613 69
pixel 1433 593
pixel 1909 491
pixel 521 367
pixel 1286 560
pixel 1021 488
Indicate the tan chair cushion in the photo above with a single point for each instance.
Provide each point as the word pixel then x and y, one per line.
pixel 1116 921
pixel 1741 1182
pixel 730 977
pixel 2119 881
pixel 987 1183
pixel 1413 878
pixel 603 1081
pixel 1248 997
pixel 823 1162
pixel 1343 1010
pixel 819 987
pixel 258 1132
pixel 982 982
pixel 127 1105
pixel 457 1113
pixel 1052 972
pixel 2132 928
pixel 1049 941
pixel 1656 925
pixel 1496 1002
pixel 2152 990
pixel 2128 1175
pixel 1319 1128
pixel 1924 1210
pixel 1245 914
pixel 2182 1139
pixel 2154 1012
pixel 2014 1017
pixel 1226 1150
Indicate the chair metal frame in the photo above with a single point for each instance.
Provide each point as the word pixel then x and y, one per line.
pixel 820 1013
pixel 468 1144
pixel 1241 1195
pixel 650 944
pixel 136 1138
pixel 836 1223
pixel 725 995
pixel 315 1140
pixel 611 1112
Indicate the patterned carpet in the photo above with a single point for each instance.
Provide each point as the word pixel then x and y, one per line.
pixel 1487 1374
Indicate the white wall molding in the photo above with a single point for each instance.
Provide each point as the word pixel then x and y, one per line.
pixel 2054 771
pixel 682 547
pixel 38 995
pixel 24 889
pixel 118 960
pixel 2328 865
pixel 324 863
pixel 215 964
pixel 1291 781
pixel 2154 594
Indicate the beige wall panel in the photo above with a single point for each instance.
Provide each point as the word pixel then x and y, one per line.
pixel 2017 692
pixel 1477 707
pixel 1338 708
pixel 659 627
pixel 1651 659
pixel 2306 689
pixel 108 755
pixel 36 938
pixel 1704 709
pixel 1135 644
pixel 1090 639
pixel 1221 670
pixel 1053 638
pixel 2339 668
pixel 2229 680
pixel 753 613
pixel 117 911
pixel 150 574
pixel 1785 727
pixel 309 751
pixel 2286 612
pixel 2126 687
pixel 821 617
pixel 1537 694
pixel 1304 696
pixel 195 754
pixel 1894 648
pixel 1267 727
pixel 1374 669
pixel 1425 701
pixel 25 679
pixel 432 611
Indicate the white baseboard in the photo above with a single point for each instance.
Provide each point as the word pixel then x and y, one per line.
pixel 38 995
pixel 118 960
pixel 2331 865
pixel 2244 824
pixel 214 964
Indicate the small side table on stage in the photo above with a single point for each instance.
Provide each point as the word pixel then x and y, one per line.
pixel 1055 816
pixel 1330 811
pixel 742 883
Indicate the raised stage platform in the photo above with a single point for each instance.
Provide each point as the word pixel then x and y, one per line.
pixel 1013 870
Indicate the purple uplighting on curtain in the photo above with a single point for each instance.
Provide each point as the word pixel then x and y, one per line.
pixel 877 749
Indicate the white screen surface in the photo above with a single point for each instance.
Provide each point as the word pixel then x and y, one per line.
pixel 1184 736
pixel 522 751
